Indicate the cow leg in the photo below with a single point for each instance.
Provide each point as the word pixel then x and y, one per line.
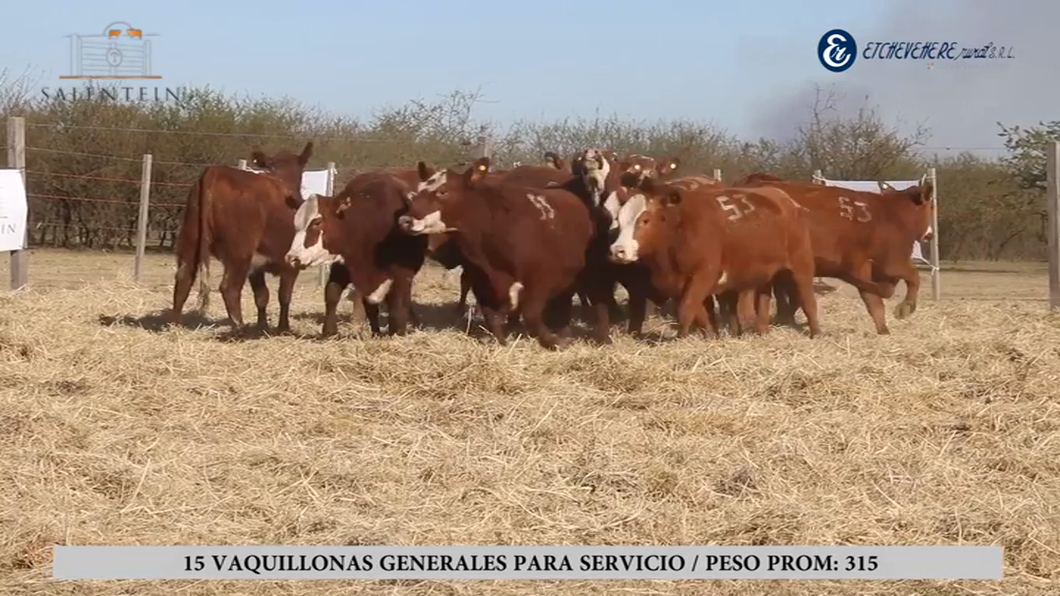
pixel 465 287
pixel 728 312
pixel 414 319
pixel 745 310
pixel 598 294
pixel 763 296
pixel 638 311
pixel 559 312
pixel 397 307
pixel 534 302
pixel 371 312
pixel 261 298
pixel 908 272
pixel 691 308
pixel 783 290
pixel 802 283
pixel 286 290
pixel 185 279
pixel 338 279
pixel 235 275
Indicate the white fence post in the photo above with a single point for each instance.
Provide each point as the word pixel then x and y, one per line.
pixel 141 221
pixel 1052 197
pixel 242 164
pixel 324 269
pixel 16 160
pixel 717 174
pixel 936 272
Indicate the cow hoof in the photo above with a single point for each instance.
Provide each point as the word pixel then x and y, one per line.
pixel 884 331
pixel 904 309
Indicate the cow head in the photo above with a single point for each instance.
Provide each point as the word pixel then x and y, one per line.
pixel 438 196
pixel 286 166
pixel 642 219
pixel 314 224
pixel 600 175
pixel 923 208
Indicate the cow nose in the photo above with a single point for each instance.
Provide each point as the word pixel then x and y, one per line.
pixel 618 253
pixel 405 223
pixel 927 235
pixel 292 260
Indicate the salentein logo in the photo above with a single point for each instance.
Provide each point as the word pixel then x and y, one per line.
pixel 837 50
pixel 120 53
pixel 108 56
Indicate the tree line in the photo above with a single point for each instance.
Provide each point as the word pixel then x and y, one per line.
pixel 991 207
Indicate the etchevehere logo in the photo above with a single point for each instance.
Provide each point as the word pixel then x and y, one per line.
pixel 837 50
pixel 120 52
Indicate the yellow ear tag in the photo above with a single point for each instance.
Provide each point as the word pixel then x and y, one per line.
pixel 482 168
pixel 673 166
pixel 636 166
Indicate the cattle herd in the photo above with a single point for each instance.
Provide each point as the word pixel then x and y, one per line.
pixel 530 238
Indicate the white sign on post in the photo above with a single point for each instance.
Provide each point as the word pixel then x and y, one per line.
pixel 13 211
pixel 312 182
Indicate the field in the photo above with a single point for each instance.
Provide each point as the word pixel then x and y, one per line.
pixel 115 431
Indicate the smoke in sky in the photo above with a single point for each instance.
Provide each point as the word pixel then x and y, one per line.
pixel 960 102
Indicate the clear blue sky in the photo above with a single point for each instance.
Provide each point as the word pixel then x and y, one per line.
pixel 541 59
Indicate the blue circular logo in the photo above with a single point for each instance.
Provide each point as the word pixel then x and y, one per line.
pixel 837 50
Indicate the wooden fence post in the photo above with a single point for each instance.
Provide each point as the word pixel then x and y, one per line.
pixel 141 221
pixel 936 272
pixel 16 159
pixel 1052 197
pixel 325 269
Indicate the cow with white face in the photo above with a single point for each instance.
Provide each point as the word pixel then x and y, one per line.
pixel 356 229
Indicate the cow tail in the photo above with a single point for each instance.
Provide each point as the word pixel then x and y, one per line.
pixel 202 255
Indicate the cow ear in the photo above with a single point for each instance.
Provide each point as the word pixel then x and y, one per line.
pixel 258 159
pixel 343 204
pixel 669 165
pixel 626 165
pixel 921 193
pixel 307 152
pixel 552 160
pixel 609 155
pixel 425 171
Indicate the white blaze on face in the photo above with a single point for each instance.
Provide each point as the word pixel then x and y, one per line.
pixel 431 224
pixel 612 205
pixel 309 256
pixel 436 181
pixel 624 248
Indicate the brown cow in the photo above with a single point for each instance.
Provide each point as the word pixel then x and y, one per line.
pixel 339 276
pixel 865 239
pixel 524 247
pixel 713 240
pixel 244 219
pixel 357 228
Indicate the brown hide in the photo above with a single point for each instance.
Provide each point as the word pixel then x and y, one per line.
pixel 243 219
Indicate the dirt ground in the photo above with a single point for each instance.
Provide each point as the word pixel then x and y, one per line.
pixel 116 430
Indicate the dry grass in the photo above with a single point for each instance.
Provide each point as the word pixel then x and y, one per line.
pixel 946 432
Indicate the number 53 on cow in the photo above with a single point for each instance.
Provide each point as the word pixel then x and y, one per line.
pixel 735 211
pixel 847 207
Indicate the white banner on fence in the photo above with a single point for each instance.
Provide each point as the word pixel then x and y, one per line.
pixel 13 211
pixel 525 562
pixel 315 181
pixel 872 186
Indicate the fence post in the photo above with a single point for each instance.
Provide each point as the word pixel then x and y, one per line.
pixel 717 174
pixel 242 164
pixel 16 160
pixel 324 269
pixel 1052 197
pixel 141 221
pixel 936 272
pixel 485 148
